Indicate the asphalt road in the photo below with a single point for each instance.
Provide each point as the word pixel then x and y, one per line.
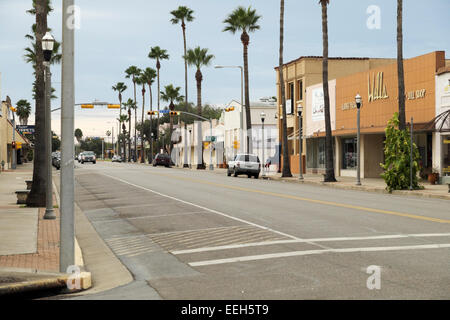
pixel 200 235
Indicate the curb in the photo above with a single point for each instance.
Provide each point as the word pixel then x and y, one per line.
pixel 58 281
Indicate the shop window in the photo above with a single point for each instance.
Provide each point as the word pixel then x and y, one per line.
pixel 349 153
pixel 446 156
pixel 315 153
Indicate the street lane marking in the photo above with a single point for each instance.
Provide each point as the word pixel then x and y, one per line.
pixel 314 252
pixel 269 243
pixel 203 208
pixel 287 196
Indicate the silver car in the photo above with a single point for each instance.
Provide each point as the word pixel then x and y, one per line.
pixel 247 164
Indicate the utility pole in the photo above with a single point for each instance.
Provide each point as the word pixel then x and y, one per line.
pixel 67 246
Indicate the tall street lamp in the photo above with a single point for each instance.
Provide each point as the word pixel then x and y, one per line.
pixel 242 101
pixel 300 140
pixel 358 100
pixel 48 43
pixel 263 117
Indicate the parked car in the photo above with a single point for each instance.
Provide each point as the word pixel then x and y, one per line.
pixel 88 156
pixel 116 159
pixel 56 160
pixel 162 159
pixel 247 164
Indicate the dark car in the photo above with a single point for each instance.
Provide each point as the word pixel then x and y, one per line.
pixel 162 160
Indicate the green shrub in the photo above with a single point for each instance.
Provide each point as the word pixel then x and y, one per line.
pixel 397 151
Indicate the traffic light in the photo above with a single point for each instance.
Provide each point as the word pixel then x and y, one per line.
pixel 229 109
pixel 236 144
pixel 13 145
pixel 87 106
pixel 113 106
pixel 152 113
pixel 174 113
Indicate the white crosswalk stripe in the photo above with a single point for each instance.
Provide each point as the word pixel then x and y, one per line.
pixel 132 246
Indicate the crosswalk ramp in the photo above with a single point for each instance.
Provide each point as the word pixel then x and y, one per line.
pixel 132 246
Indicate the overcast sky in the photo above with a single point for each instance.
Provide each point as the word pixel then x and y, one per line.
pixel 116 34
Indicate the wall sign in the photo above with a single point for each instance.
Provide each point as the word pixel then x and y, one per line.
pixel 418 94
pixel 318 105
pixel 349 106
pixel 377 89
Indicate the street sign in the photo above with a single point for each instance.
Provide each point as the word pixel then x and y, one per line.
pixel 165 111
pixel 113 106
pixel 26 129
pixel 87 106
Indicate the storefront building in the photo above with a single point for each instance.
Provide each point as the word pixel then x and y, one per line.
pixel 305 72
pixel 441 154
pixel 378 88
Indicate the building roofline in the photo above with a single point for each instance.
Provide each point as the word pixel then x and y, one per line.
pixel 443 70
pixel 330 58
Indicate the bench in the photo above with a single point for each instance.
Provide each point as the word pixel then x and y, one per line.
pixel 446 180
pixel 29 184
pixel 22 196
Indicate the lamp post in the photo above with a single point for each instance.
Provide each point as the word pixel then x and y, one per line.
pixel 358 100
pixel 242 103
pixel 14 147
pixel 263 117
pixel 300 140
pixel 48 43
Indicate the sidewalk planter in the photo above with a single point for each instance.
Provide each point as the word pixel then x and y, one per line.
pixel 22 196
pixel 29 184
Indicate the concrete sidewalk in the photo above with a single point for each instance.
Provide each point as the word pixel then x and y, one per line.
pixel 29 245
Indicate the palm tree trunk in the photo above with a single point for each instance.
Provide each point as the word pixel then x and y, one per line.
pixel 400 70
pixel 124 129
pixel 285 147
pixel 329 162
pixel 185 84
pixel 37 198
pixel 129 135
pixel 199 78
pixel 135 119
pixel 151 109
pixel 142 125
pixel 118 138
pixel 159 101
pixel 245 39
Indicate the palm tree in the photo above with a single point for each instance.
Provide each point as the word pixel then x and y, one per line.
pixel 158 54
pixel 78 135
pixel 123 118
pixel 134 72
pixel 286 161
pixel 147 78
pixel 36 198
pixel 120 87
pixel 23 111
pixel 182 15
pixel 131 105
pixel 171 95
pixel 400 70
pixel 245 21
pixel 199 57
pixel 329 158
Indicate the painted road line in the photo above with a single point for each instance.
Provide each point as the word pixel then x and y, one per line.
pixel 269 243
pixel 203 208
pixel 314 252
pixel 323 202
